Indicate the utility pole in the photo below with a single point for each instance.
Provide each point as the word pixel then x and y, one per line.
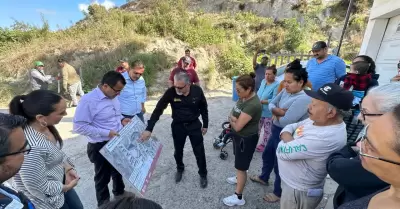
pixel 346 22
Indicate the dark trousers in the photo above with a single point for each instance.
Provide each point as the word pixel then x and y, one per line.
pixel 270 161
pixel 179 133
pixel 139 115
pixel 103 172
pixel 71 200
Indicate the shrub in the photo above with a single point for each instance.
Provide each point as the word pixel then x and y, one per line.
pixel 95 68
pixel 233 61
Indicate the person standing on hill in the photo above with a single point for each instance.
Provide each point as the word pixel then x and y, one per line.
pixel 187 103
pixel 324 68
pixel 38 79
pixel 193 63
pixel 259 68
pixel 194 78
pixel 71 81
pixel 133 96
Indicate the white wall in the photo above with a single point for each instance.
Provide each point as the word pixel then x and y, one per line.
pixel 381 12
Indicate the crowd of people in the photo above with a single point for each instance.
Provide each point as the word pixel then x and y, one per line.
pixel 304 122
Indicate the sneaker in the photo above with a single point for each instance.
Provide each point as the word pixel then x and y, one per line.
pixel 233 200
pixel 232 180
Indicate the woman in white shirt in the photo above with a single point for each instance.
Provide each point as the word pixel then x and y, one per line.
pixel 47 176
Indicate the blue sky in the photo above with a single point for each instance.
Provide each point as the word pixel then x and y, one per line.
pixel 59 13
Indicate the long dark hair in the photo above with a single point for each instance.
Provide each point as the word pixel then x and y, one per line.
pixel 370 61
pixel 38 102
pixel 299 73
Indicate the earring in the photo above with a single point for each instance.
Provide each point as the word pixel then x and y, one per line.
pixel 43 123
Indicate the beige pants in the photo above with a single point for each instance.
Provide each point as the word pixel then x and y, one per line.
pixel 295 199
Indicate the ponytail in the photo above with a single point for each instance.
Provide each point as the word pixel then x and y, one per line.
pixel 253 75
pixel 38 102
pixel 16 106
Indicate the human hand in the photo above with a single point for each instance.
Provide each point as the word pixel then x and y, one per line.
pixel 112 134
pixel 70 185
pixel 71 175
pixel 204 131
pixel 286 137
pixel 233 119
pixel 264 101
pixel 125 121
pixel 396 78
pixel 145 136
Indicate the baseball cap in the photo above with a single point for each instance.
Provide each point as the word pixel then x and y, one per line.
pixel 319 45
pixel 334 95
pixel 38 63
pixel 264 56
pixel 123 60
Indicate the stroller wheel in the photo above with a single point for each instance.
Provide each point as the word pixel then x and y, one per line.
pixel 223 155
pixel 216 145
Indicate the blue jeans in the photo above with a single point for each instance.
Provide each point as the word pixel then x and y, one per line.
pixel 139 115
pixel 71 200
pixel 270 161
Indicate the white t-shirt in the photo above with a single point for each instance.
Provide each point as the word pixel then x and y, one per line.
pixel 302 162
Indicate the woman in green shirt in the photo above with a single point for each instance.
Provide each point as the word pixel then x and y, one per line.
pixel 244 120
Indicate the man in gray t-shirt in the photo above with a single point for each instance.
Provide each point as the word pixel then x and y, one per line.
pixel 259 68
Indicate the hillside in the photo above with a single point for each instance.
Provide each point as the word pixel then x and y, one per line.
pixel 158 33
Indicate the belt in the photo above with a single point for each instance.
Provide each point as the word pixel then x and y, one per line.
pixel 185 122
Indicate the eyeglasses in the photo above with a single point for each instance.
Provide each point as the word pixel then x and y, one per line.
pixel 180 88
pixel 363 139
pixel 116 91
pixel 25 149
pixel 362 111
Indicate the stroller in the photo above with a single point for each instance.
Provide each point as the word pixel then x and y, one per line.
pixel 223 139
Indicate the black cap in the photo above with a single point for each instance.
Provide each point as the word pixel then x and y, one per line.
pixel 319 45
pixel 334 95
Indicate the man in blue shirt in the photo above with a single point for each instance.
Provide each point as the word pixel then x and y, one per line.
pixel 259 68
pixel 13 146
pixel 134 94
pixel 324 68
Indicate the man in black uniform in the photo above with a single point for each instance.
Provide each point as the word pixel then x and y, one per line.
pixel 187 103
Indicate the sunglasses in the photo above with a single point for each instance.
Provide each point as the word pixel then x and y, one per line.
pixel 363 139
pixel 180 88
pixel 25 149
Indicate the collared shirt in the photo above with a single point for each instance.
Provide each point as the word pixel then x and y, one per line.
pixel 328 71
pixel 132 96
pixel 69 76
pixel 96 115
pixel 41 175
pixel 184 108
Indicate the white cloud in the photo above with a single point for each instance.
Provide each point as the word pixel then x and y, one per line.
pixel 107 4
pixel 46 11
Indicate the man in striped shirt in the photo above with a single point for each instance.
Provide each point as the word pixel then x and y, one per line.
pixel 13 145
pixel 324 68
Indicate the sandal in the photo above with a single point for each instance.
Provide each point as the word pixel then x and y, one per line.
pixel 258 180
pixel 271 198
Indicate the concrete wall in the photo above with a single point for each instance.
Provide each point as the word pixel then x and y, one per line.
pixel 381 11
